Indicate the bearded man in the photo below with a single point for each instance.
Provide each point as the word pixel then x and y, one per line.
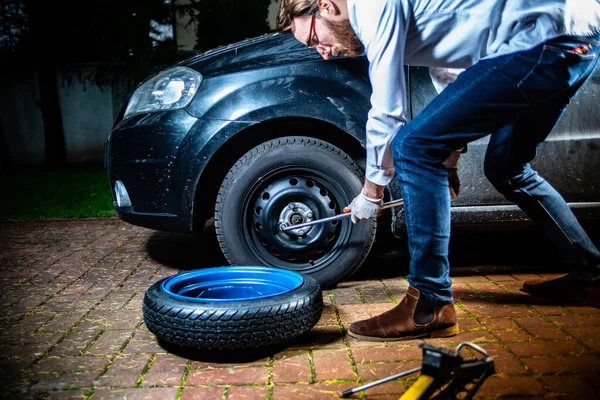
pixel 524 61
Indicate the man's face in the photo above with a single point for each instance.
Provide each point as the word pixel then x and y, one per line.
pixel 329 38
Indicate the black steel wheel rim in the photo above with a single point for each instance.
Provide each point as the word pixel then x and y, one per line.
pixel 293 195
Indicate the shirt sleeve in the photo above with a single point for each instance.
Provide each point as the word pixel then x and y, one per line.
pixel 382 30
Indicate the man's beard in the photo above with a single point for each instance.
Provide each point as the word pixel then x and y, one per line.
pixel 349 44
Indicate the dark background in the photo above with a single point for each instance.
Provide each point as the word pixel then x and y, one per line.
pixel 119 38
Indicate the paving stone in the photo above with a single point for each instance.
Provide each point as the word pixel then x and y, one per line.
pixel 482 309
pixel 233 376
pixel 247 393
pixel 576 320
pixel 62 322
pixel 376 371
pixel 328 316
pixel 347 296
pixel 166 370
pixel 478 337
pixel 504 361
pixel 583 332
pixel 75 342
pixel 563 364
pixel 512 335
pixel 291 367
pixel 388 390
pixel 318 391
pixel 386 353
pixel 143 341
pixel 138 394
pixel 71 364
pixel 332 364
pixel 375 294
pixel 541 329
pixel 229 362
pixel 115 319
pixel 109 342
pixel 571 386
pixel 546 347
pixel 72 394
pixel 512 386
pixel 61 381
pixel 125 370
pixel 204 393
pixel 468 324
pixel 24 351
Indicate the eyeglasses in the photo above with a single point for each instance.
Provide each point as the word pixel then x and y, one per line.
pixel 313 39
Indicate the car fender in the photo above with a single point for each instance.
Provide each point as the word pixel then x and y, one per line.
pixel 227 105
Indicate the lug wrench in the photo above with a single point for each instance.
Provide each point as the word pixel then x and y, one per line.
pixel 346 214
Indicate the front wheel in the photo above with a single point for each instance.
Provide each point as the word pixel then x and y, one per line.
pixel 292 180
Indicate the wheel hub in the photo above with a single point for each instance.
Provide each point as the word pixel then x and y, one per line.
pixel 294 214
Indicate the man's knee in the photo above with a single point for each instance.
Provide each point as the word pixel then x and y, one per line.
pixel 510 183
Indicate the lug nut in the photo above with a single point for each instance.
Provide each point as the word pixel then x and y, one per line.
pixel 301 232
pixel 309 214
pixel 292 206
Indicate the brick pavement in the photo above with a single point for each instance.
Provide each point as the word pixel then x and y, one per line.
pixel 71 327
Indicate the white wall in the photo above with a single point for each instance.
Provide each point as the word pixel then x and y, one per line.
pixel 273 9
pixel 87 112
pixel 185 34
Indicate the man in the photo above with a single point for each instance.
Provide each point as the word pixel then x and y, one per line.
pixel 525 61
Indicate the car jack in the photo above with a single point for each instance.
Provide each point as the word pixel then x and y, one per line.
pixel 444 374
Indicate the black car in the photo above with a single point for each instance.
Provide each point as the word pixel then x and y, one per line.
pixel 264 134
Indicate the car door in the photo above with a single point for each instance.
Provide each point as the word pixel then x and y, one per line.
pixel 569 159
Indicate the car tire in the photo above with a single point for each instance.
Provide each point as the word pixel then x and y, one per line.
pixel 196 309
pixel 289 180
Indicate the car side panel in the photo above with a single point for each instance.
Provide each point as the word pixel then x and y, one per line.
pixel 569 159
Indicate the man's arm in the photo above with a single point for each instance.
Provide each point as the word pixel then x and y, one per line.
pixel 382 30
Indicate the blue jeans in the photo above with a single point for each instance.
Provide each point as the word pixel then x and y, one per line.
pixel 517 99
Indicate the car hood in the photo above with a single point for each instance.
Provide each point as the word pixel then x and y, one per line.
pixel 267 50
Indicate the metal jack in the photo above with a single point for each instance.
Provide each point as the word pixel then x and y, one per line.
pixel 346 214
pixel 444 374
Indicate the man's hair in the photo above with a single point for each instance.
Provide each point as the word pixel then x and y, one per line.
pixel 290 9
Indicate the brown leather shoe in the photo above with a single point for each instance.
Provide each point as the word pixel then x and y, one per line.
pixel 567 287
pixel 416 316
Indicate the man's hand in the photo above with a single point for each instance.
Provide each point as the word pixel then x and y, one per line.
pixel 363 207
pixel 453 182
pixel 451 165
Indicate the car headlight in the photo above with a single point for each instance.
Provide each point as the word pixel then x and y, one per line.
pixel 170 90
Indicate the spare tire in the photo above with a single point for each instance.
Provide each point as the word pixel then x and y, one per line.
pixel 226 308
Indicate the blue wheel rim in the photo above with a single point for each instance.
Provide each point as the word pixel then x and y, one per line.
pixel 223 284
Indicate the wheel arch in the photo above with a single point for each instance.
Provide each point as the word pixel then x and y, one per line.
pixel 236 146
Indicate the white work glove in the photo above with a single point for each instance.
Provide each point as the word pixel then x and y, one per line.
pixel 363 207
